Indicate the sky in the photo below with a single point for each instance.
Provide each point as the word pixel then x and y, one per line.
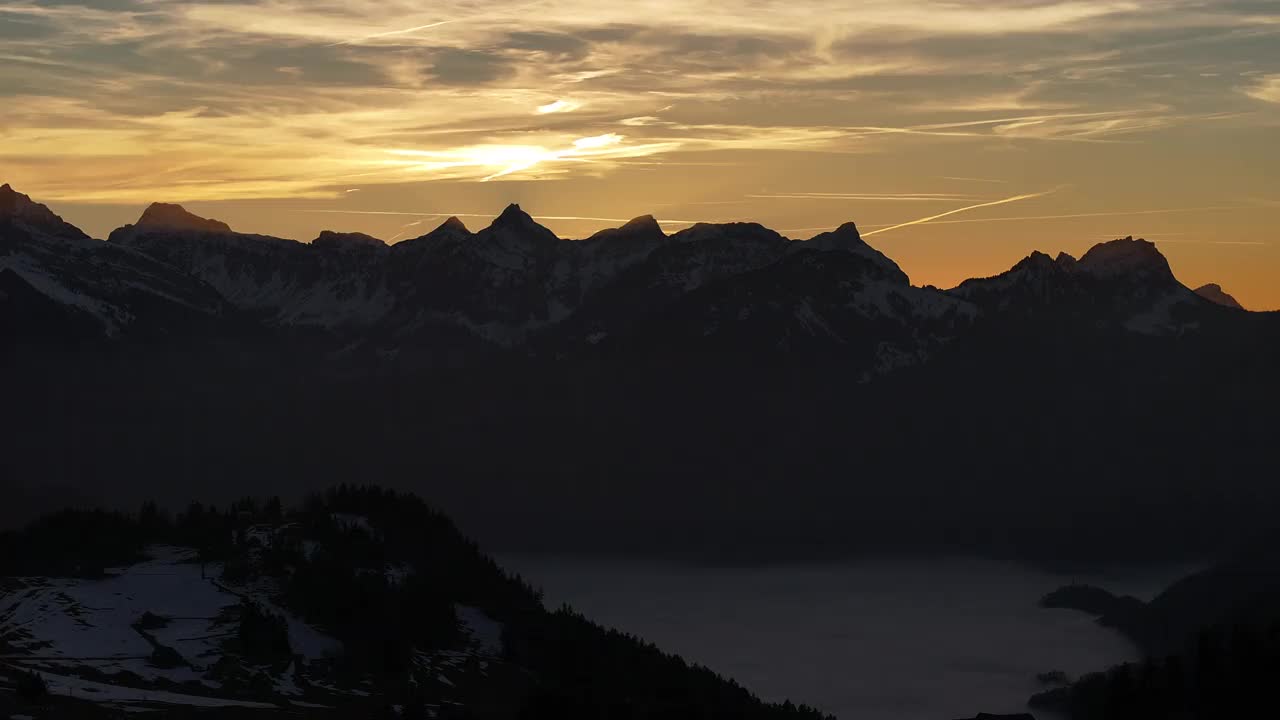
pixel 1016 125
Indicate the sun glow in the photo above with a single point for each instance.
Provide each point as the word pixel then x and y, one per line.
pixel 796 115
pixel 503 160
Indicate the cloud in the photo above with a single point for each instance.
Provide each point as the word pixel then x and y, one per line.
pixel 494 161
pixel 558 45
pixel 469 67
pixel 1266 89
pixel 296 97
pixel 558 106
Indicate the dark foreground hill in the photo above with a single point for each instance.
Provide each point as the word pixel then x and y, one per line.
pixel 361 603
pixel 721 391
pixel 1211 644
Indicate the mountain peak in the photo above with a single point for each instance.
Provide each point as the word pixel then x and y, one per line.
pixel 515 220
pixel 17 206
pixel 1213 292
pixel 1035 259
pixel 11 200
pixel 513 215
pixel 643 223
pixel 847 238
pixel 338 240
pixel 842 238
pixel 1125 256
pixel 641 228
pixel 848 229
pixel 169 216
pixel 453 223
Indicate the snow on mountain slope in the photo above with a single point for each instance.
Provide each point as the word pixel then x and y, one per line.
pixel 121 289
pixel 1213 292
pixel 1125 284
pixel 141 631
pixel 847 238
pixel 514 284
pixel 333 282
pixel 814 302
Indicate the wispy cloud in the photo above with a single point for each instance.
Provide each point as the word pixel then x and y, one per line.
pixel 298 98
pixel 558 106
pixel 1266 89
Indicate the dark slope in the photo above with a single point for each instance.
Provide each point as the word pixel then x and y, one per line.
pixel 720 391
pixel 1211 644
pixel 87 289
pixel 388 578
pixel 1213 292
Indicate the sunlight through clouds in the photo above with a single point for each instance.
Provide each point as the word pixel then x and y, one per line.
pixel 294 98
pixel 558 106
pixel 499 161
pixel 794 114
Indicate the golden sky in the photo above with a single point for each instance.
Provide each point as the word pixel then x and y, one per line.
pixel 1067 122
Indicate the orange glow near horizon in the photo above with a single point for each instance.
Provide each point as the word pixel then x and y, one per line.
pixel 939 127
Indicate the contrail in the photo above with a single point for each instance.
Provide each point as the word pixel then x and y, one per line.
pixel 1014 198
pixel 1119 213
pixel 973 179
pixel 915 197
pixel 392 32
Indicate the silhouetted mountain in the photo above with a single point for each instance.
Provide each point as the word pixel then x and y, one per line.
pixel 1213 292
pixel 164 216
pixel 359 603
pixel 20 213
pixel 847 238
pixel 61 284
pixel 1210 641
pixel 799 397
pixel 285 283
pixel 348 241
pixel 1119 284
pixel 814 303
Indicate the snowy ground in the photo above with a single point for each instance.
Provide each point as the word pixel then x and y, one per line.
pixel 81 635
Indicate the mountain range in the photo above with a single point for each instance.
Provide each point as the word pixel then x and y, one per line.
pixel 515 285
pixel 644 391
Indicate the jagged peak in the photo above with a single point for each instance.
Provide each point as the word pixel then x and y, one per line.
pixel 514 218
pixel 647 223
pixel 1124 256
pixel 452 224
pixel 849 229
pixel 11 200
pixel 1036 261
pixel 848 239
pixel 14 204
pixel 170 216
pixel 843 237
pixel 1213 292
pixel 512 214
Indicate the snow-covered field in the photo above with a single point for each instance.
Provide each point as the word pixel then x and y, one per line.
pixel 85 638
